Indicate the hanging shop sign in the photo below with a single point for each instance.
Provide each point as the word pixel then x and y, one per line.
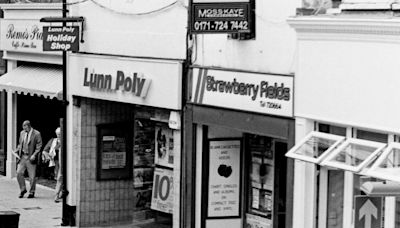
pixel 224 174
pixel 220 17
pixel 163 190
pixel 128 80
pixel 61 38
pixel 21 35
pixel 254 92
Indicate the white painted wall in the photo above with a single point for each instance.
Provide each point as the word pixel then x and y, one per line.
pixel 272 51
pixel 351 83
pixel 113 27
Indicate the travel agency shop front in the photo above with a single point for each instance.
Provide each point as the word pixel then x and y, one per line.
pixel 239 125
pixel 127 137
pixel 31 88
pixel 347 122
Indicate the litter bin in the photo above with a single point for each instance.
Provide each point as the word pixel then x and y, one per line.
pixel 9 219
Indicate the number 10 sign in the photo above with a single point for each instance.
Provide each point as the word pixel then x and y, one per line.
pixel 163 191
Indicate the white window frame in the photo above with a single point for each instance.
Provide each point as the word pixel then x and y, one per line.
pixel 292 152
pixel 328 161
pixel 374 171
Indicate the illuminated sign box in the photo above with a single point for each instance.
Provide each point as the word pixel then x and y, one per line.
pixel 222 17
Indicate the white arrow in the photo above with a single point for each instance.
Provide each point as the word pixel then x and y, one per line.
pixel 368 210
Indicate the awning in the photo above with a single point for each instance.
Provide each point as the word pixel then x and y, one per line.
pixel 363 157
pixel 42 80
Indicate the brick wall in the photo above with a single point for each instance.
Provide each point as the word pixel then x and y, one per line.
pixel 101 202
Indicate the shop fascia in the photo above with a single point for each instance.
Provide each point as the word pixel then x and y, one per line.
pixel 134 82
pixel 363 157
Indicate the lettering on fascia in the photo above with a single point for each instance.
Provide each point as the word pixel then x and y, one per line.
pixel 265 89
pixel 134 83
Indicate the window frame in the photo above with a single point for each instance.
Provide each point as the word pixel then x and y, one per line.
pixel 328 161
pixel 292 152
pixel 374 170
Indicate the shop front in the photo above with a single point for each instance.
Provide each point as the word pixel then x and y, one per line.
pixel 347 126
pixel 239 125
pixel 31 86
pixel 126 140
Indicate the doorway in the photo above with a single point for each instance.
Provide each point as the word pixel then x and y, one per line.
pixel 44 115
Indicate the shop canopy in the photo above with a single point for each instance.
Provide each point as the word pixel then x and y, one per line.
pixel 39 80
pixel 363 157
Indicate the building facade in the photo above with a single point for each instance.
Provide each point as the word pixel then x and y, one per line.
pixel 347 135
pixel 125 88
pixel 239 124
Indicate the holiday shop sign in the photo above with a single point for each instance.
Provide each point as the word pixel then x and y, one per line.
pixel 255 92
pixel 61 38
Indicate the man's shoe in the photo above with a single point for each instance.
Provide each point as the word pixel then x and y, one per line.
pixel 31 195
pixel 21 195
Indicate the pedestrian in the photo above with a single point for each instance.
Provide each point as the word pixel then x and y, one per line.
pixel 51 154
pixel 30 143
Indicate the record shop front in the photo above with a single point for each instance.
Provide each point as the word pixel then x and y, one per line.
pixel 239 126
pixel 126 121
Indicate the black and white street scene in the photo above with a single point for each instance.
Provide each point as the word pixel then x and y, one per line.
pixel 200 113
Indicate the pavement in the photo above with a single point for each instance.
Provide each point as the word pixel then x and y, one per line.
pixel 38 212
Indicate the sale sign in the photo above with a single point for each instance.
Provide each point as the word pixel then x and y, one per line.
pixel 61 38
pixel 163 190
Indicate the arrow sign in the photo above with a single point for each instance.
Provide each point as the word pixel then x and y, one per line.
pixel 368 212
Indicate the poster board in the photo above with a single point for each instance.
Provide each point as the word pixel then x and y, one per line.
pixel 164 146
pixel 224 178
pixel 162 198
pixel 114 151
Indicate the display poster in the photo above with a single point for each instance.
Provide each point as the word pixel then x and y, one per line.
pixel 254 221
pixel 224 178
pixel 164 148
pixel 61 38
pixel 114 152
pixel 163 191
pixel 142 177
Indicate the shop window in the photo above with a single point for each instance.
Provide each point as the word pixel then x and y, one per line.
pixel 153 173
pixel 353 154
pixel 314 147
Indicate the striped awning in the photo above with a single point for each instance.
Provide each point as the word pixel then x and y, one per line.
pixel 39 80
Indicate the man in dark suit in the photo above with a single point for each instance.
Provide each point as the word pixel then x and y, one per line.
pixel 30 143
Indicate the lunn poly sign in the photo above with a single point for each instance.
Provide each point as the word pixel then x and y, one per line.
pixel 61 38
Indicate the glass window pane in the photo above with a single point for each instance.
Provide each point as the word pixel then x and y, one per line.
pixel 335 199
pixel 354 154
pixel 387 166
pixel 373 136
pixel 326 128
pixel 315 146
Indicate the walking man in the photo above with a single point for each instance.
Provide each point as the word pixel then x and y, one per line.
pixel 30 143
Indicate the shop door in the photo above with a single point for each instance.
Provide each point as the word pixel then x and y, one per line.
pixel 266 190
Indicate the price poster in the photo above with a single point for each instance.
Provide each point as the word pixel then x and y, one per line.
pixel 163 191
pixel 224 178
pixel 114 152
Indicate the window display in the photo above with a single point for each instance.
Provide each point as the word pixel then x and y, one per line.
pixel 261 194
pixel 153 173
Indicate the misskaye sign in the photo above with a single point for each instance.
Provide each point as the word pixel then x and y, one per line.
pixel 256 92
pixel 134 83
